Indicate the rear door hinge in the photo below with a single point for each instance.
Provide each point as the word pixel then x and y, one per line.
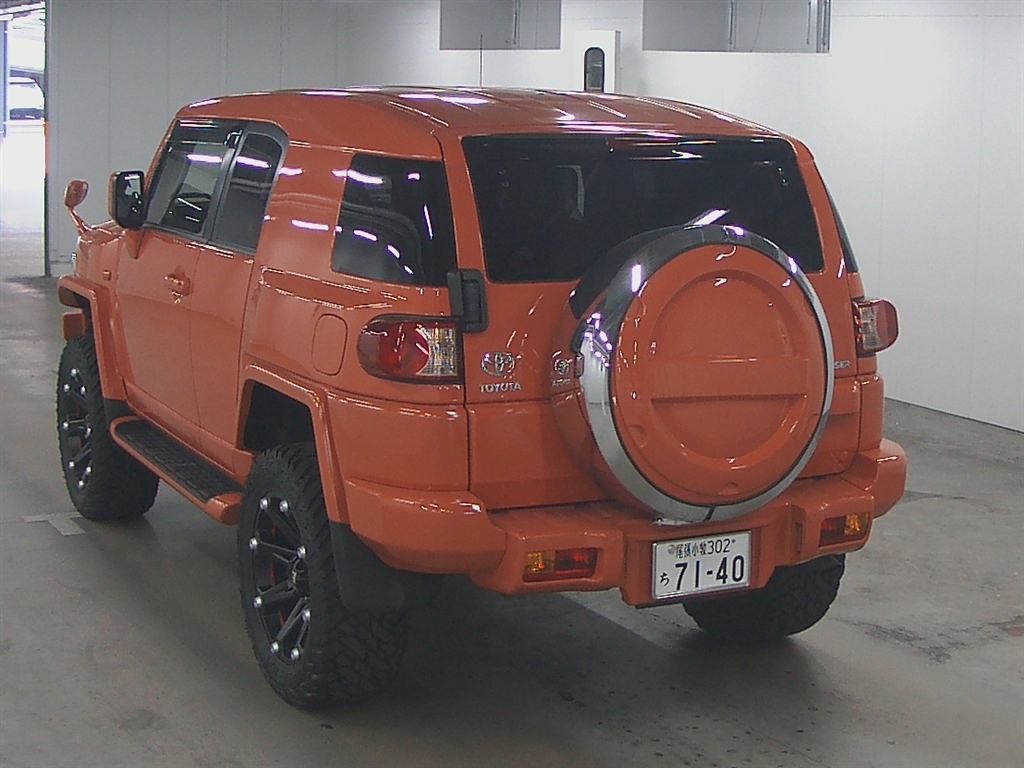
pixel 468 297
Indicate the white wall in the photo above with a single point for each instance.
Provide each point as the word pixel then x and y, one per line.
pixel 119 69
pixel 916 118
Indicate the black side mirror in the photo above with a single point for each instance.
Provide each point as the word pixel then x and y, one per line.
pixel 125 200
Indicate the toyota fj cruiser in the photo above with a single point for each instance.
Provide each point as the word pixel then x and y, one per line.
pixel 552 341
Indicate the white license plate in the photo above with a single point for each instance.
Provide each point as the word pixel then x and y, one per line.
pixel 698 566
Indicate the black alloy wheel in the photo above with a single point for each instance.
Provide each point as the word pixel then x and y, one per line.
pixel 281 578
pixel 75 429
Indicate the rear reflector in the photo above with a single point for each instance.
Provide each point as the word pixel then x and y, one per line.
pixel 835 530
pixel 411 349
pixel 560 564
pixel 876 324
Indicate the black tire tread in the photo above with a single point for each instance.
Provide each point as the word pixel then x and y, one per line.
pixel 795 598
pixel 350 655
pixel 120 488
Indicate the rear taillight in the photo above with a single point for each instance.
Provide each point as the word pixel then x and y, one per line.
pixel 411 349
pixel 876 324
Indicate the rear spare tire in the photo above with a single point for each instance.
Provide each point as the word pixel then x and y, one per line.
pixel 705 372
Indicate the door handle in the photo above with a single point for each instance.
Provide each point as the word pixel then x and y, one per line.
pixel 178 284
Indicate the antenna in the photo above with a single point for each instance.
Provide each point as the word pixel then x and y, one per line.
pixel 481 74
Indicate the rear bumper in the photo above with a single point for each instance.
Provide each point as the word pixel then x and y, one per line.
pixel 454 533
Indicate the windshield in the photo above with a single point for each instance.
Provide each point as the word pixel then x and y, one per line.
pixel 550 206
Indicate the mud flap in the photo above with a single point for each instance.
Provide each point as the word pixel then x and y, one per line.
pixel 366 583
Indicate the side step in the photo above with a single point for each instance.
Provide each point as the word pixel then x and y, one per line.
pixel 200 482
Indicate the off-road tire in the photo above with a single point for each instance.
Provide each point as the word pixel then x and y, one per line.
pixel 344 656
pixel 104 482
pixel 795 598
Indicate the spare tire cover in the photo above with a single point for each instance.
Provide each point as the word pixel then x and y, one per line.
pixel 706 372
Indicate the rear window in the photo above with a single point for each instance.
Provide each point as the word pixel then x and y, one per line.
pixel 550 206
pixel 395 223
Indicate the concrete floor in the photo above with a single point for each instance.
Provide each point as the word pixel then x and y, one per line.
pixel 123 645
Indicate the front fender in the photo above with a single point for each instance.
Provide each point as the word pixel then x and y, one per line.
pixel 74 292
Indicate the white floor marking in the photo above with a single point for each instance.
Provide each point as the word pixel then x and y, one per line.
pixel 64 523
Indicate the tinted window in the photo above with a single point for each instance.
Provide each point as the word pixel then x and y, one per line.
pixel 395 223
pixel 549 207
pixel 185 181
pixel 241 214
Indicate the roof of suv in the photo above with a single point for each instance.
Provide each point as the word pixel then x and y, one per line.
pixel 470 111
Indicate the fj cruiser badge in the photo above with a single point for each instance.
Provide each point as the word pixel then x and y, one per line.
pixel 562 366
pixel 498 363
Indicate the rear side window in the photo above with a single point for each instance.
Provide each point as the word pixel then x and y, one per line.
pixel 185 184
pixel 395 223
pixel 550 206
pixel 241 214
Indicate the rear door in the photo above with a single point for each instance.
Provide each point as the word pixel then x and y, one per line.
pixel 549 209
pixel 221 284
pixel 527 212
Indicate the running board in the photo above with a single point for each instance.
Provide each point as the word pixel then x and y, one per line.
pixel 192 476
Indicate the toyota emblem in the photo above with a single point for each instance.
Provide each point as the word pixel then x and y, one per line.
pixel 498 363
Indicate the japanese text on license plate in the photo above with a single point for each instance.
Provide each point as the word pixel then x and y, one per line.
pixel 701 565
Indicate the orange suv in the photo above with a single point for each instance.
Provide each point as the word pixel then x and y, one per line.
pixel 552 341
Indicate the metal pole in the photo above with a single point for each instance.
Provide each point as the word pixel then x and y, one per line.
pixel 824 42
pixel 5 78
pixel 48 10
pixel 516 10
pixel 732 25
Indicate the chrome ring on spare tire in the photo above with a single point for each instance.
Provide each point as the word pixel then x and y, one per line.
pixel 597 338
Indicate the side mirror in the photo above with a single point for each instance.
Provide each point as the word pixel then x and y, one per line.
pixel 125 199
pixel 75 192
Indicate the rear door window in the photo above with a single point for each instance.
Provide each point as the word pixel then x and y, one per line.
pixel 550 206
pixel 396 222
pixel 240 218
pixel 187 179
